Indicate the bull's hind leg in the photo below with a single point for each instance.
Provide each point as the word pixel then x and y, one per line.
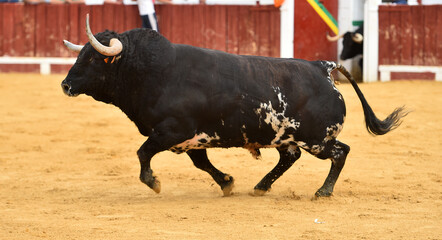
pixel 201 161
pixel 338 154
pixel 288 156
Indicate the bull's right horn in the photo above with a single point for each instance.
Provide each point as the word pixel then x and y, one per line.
pixel 358 38
pixel 73 47
pixel 115 46
pixel 335 38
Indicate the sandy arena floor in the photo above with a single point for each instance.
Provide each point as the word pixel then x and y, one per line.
pixel 69 170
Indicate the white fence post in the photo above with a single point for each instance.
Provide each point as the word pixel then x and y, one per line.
pixel 371 40
pixel 287 29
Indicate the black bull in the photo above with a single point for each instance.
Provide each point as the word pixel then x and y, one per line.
pixel 352 44
pixel 188 99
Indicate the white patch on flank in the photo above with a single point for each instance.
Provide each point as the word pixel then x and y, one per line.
pixel 333 131
pixel 330 66
pixel 199 141
pixel 277 120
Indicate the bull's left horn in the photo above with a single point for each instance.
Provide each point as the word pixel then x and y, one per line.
pixel 115 46
pixel 335 38
pixel 73 47
pixel 357 37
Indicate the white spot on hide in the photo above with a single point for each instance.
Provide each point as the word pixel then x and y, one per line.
pixel 333 131
pixel 330 66
pixel 199 141
pixel 277 120
pixel 316 149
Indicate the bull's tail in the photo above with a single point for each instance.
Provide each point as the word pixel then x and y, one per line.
pixel 374 125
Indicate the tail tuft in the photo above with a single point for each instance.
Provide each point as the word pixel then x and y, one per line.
pixel 377 127
pixel 374 125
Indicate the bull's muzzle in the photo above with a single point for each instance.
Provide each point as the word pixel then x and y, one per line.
pixel 67 89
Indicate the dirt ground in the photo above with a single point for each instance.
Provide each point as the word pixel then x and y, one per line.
pixel 69 170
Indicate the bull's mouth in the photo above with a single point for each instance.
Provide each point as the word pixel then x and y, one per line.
pixel 67 89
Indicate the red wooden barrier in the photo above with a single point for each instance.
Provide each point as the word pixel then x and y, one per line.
pixel 38 30
pixel 252 30
pixel 310 30
pixel 410 35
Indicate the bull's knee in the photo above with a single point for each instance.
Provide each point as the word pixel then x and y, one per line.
pixel 338 156
pixel 339 153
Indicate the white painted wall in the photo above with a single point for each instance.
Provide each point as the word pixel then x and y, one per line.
pixel 371 40
pixel 287 28
pixel 430 2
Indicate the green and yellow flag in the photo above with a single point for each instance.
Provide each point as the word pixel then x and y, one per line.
pixel 325 15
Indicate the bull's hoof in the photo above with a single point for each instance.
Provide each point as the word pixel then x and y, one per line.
pixel 259 192
pixel 323 193
pixel 227 188
pixel 151 182
pixel 156 187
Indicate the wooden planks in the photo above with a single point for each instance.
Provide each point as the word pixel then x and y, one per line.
pixel 310 32
pixel 251 30
pixel 38 30
pixel 43 26
pixel 410 35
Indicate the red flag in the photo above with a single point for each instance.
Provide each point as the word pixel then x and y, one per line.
pixel 278 3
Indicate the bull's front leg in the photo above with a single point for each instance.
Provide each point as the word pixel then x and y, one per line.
pixel 164 136
pixel 145 154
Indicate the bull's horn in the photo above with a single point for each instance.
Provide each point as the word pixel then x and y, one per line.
pixel 73 47
pixel 357 37
pixel 115 46
pixel 335 38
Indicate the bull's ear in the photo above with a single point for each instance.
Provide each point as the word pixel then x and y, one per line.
pixel 106 60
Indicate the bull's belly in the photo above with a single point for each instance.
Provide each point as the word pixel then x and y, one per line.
pixel 204 141
pixel 252 140
pixel 276 133
pixel 199 141
pixel 267 125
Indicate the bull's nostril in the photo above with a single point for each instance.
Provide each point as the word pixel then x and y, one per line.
pixel 65 87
